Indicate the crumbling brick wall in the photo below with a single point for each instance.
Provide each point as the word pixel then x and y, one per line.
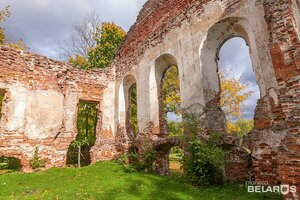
pixel 275 140
pixel 40 106
pixel 179 28
pixel 285 50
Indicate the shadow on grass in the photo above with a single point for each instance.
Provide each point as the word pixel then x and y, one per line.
pixel 109 181
pixel 150 186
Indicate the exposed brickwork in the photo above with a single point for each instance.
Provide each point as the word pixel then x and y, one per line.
pixel 238 165
pixel 156 19
pixel 38 74
pixel 285 51
pixel 274 144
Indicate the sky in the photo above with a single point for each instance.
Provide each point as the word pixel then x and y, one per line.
pixel 235 58
pixel 42 23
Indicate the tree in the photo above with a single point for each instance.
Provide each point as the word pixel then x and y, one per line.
pixel 171 100
pixel 108 37
pixel 1 100
pixel 81 39
pixel 92 44
pixel 233 95
pixel 86 134
pixel 79 144
pixel 133 108
pixel 4 14
pixel 171 91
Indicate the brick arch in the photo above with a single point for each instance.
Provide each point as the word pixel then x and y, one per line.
pixel 162 147
pixel 23 160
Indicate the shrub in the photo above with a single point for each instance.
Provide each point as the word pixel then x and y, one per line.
pixel 205 159
pixel 136 161
pixel 142 162
pixel 204 162
pixel 36 162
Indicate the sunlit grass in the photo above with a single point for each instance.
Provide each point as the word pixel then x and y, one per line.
pixel 108 180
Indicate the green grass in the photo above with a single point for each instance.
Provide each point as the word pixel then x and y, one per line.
pixel 109 181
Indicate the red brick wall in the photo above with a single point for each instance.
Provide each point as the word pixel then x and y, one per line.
pixel 156 19
pixel 285 51
pixel 36 72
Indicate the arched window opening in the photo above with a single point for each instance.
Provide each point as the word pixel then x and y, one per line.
pixel 171 102
pixel 128 113
pixel 239 90
pixel 79 150
pixel 132 110
pixel 9 164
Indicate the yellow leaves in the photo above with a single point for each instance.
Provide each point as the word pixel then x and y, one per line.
pixel 241 127
pixel 171 91
pixel 108 37
pixel 19 45
pixel 233 128
pixel 79 61
pixel 233 95
pixel 4 14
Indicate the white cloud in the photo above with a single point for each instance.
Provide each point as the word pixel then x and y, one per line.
pixel 41 23
pixel 235 59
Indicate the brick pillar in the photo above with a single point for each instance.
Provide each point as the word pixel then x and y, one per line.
pixel 285 52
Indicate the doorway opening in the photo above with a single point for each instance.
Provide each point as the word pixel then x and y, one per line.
pixel 79 150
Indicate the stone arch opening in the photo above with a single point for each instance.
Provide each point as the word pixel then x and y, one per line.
pixel 169 153
pixel 239 89
pixel 128 106
pixel 217 35
pixel 175 160
pixel 164 77
pixel 9 164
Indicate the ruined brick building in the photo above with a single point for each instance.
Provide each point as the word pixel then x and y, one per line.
pixel 41 95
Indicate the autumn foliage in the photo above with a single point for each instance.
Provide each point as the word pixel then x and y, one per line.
pixel 171 91
pixel 233 97
pixel 108 38
pixel 20 45
pixel 4 14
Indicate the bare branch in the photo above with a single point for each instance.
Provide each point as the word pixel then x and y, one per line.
pixel 82 38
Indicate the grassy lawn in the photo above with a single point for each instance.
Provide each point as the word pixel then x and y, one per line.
pixel 109 181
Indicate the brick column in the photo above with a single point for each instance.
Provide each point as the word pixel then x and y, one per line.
pixel 285 51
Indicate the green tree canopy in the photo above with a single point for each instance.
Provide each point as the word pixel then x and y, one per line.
pixel 171 91
pixel 108 38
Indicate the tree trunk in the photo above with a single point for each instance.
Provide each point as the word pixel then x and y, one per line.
pixel 87 125
pixel 79 154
